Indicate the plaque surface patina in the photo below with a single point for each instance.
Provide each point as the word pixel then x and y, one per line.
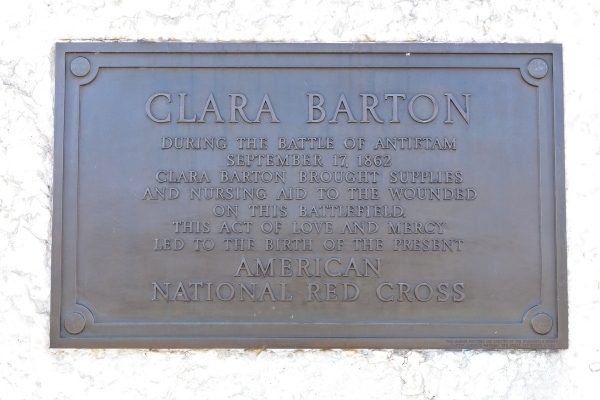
pixel 309 195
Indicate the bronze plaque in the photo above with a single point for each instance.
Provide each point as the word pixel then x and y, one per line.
pixel 309 195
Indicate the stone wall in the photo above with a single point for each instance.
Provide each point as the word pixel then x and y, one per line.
pixel 29 369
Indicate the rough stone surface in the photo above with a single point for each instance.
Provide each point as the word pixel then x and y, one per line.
pixel 29 369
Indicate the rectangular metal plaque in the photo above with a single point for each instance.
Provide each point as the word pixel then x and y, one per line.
pixel 309 195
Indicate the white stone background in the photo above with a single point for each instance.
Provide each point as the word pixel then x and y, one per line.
pixel 30 370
